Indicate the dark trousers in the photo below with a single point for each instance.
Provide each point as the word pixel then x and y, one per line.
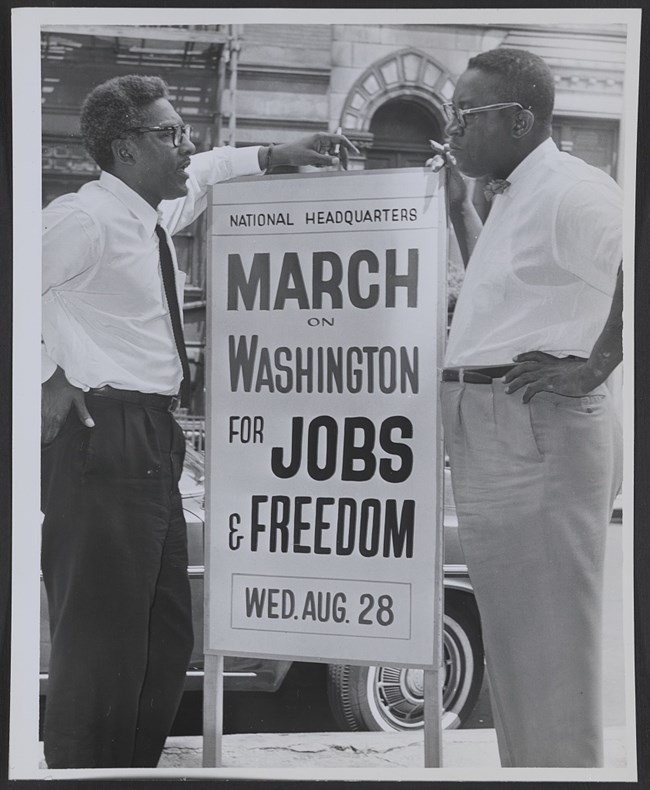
pixel 114 560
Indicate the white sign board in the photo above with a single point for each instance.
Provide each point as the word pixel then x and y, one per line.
pixel 326 304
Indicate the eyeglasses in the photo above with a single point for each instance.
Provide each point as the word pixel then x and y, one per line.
pixel 456 115
pixel 177 132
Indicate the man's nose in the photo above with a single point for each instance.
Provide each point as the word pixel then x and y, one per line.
pixel 452 127
pixel 187 146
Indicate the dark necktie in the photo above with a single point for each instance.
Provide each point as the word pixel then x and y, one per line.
pixel 169 283
pixel 496 186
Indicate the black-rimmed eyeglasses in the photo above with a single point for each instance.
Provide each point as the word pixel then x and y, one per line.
pixel 457 115
pixel 177 133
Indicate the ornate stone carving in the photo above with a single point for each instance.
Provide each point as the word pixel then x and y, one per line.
pixel 408 72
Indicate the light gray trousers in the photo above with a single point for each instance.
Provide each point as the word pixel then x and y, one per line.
pixel 534 486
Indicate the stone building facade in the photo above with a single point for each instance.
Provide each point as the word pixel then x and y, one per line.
pixel 384 85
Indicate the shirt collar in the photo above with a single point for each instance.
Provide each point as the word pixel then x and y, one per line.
pixel 137 205
pixel 527 165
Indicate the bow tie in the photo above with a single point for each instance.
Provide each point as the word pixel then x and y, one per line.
pixel 495 187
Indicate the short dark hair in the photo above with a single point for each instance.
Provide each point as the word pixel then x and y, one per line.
pixel 114 106
pixel 527 79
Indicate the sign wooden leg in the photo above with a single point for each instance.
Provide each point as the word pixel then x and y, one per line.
pixel 213 711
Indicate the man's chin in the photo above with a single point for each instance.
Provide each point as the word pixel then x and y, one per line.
pixel 463 166
pixel 472 172
pixel 178 190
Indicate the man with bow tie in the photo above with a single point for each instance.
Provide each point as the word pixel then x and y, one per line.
pixel 114 547
pixel 529 395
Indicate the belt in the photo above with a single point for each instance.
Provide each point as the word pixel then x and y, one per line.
pixel 151 399
pixel 475 375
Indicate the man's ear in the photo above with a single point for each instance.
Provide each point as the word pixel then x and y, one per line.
pixel 123 152
pixel 524 121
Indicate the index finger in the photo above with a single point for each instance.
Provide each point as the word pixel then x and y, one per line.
pixel 521 368
pixel 535 356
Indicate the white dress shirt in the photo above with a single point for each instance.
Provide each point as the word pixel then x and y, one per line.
pixel 543 271
pixel 105 318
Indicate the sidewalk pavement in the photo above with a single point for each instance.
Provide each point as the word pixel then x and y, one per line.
pixel 465 749
pixel 461 749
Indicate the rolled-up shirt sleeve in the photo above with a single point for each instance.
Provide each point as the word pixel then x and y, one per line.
pixel 206 169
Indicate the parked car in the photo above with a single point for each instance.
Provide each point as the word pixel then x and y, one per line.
pixel 360 697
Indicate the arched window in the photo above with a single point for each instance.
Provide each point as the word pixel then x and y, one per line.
pixel 401 130
pixel 395 107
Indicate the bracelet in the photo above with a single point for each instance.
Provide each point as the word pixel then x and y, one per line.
pixel 269 155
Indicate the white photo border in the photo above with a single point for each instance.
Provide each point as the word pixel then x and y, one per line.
pixel 27 22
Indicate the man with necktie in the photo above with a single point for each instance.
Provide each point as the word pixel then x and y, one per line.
pixel 529 394
pixel 114 547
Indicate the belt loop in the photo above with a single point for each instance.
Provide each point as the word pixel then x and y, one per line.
pixel 461 375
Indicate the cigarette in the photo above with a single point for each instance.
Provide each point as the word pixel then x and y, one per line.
pixel 442 151
pixel 337 147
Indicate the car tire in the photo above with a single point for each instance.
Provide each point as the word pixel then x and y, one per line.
pixel 391 698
